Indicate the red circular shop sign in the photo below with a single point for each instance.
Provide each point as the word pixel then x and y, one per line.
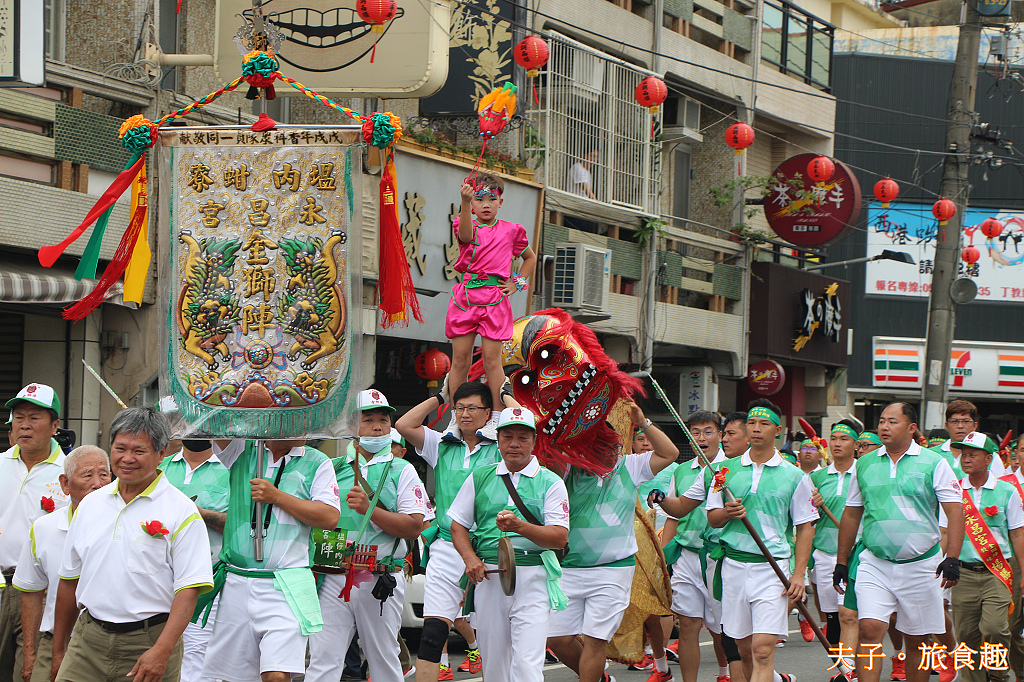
pixel 808 213
pixel 766 377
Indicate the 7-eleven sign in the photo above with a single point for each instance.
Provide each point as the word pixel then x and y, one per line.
pixel 958 369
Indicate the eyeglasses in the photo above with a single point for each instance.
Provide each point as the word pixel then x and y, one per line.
pixel 707 433
pixel 487 193
pixel 959 422
pixel 470 410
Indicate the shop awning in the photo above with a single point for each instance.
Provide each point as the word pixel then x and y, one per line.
pixel 25 283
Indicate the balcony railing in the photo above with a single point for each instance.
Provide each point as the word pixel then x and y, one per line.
pixel 797 42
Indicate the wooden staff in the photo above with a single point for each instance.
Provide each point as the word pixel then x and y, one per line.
pixel 729 497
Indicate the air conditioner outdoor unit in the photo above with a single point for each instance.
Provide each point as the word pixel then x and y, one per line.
pixel 582 277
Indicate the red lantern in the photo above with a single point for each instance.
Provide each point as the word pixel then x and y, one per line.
pixel 376 12
pixel 432 365
pixel 531 53
pixel 739 136
pixel 991 228
pixel 821 168
pixel 943 210
pixel 886 190
pixel 651 93
pixel 970 254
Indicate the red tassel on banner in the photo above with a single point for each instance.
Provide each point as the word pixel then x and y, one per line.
pixel 49 254
pixel 115 268
pixel 395 292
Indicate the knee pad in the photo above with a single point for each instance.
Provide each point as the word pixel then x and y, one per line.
pixel 732 652
pixel 433 639
pixel 832 628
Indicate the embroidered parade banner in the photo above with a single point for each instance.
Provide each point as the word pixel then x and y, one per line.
pixel 259 304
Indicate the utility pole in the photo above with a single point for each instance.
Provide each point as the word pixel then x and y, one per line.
pixel 954 186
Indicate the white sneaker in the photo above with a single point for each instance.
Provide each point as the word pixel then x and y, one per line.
pixel 490 429
pixel 452 431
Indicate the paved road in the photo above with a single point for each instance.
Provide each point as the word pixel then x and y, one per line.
pixel 806 660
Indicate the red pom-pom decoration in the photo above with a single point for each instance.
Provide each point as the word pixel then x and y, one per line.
pixel 821 168
pixel 991 228
pixel 943 210
pixel 531 53
pixel 651 92
pixel 886 190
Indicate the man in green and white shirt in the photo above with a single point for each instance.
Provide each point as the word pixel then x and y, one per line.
pixel 197 472
pixel 897 493
pixel 453 457
pixel 347 601
pixel 776 498
pixel 981 600
pixel 597 573
pixel 268 608
pixel 512 630
pixel 685 539
pixel 831 486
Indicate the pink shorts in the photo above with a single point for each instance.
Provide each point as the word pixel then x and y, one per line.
pixel 484 310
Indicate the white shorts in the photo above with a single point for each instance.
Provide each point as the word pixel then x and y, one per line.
pixel 691 596
pixel 911 590
pixel 824 567
pixel 598 596
pixel 753 600
pixel 256 632
pixel 194 641
pixel 512 632
pixel 442 596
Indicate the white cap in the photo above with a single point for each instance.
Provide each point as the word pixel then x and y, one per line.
pixel 37 394
pixel 396 437
pixel 167 405
pixel 517 415
pixel 977 440
pixel 372 399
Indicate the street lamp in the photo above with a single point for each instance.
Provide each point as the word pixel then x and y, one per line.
pixel 898 256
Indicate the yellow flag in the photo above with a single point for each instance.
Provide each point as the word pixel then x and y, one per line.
pixel 138 266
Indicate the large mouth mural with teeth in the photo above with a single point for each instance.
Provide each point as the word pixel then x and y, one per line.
pixel 559 371
pixel 321 38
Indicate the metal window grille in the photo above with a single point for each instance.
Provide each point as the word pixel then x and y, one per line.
pixel 588 107
pixel 798 42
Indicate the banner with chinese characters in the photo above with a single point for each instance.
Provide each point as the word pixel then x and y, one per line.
pixel 974 366
pixel 260 313
pixel 912 228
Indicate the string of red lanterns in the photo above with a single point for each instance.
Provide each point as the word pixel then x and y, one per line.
pixel 886 191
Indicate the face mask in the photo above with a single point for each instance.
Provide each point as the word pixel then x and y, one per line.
pixel 375 444
pixel 196 445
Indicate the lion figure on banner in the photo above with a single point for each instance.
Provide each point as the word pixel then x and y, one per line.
pixel 560 372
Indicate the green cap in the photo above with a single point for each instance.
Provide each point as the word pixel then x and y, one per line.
pixel 978 440
pixel 37 394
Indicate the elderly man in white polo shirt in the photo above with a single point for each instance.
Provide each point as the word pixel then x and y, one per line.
pixel 136 558
pixel 29 488
pixel 85 469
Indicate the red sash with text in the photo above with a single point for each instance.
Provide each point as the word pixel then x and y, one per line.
pixel 985 544
pixel 1012 478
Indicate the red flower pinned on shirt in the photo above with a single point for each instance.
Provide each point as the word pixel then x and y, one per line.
pixel 991 511
pixel 47 504
pixel 155 528
pixel 720 478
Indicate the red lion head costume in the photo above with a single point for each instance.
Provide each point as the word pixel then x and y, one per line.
pixel 560 372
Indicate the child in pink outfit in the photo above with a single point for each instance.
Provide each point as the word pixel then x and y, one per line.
pixel 480 305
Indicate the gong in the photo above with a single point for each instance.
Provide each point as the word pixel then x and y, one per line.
pixel 507 566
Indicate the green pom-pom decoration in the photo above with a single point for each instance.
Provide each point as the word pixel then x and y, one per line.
pixel 261 64
pixel 383 131
pixel 138 139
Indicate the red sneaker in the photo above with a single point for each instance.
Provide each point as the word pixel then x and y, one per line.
pixel 672 651
pixel 806 631
pixel 723 678
pixel 646 663
pixel 899 669
pixel 660 677
pixel 473 662
pixel 445 673
pixel 950 672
